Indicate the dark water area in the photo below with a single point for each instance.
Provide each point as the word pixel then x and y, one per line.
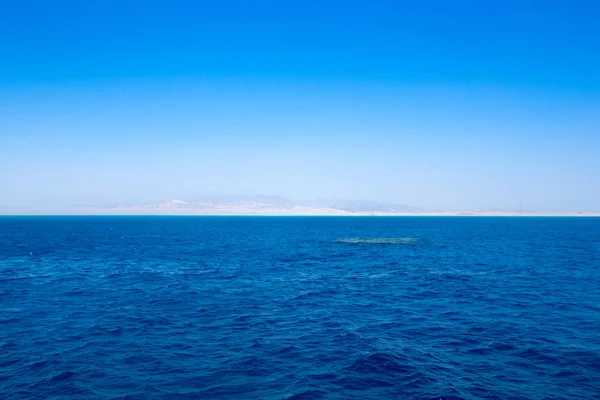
pixel 299 308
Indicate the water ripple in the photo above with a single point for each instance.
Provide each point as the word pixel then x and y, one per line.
pixel 282 308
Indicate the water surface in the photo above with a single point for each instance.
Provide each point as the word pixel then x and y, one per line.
pixel 299 308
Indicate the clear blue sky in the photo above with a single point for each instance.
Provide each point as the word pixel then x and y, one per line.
pixel 439 104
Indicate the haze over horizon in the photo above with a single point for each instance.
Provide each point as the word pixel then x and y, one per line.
pixel 433 105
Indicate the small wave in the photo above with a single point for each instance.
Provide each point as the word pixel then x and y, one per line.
pixel 382 363
pixel 398 240
pixel 62 376
pixel 309 394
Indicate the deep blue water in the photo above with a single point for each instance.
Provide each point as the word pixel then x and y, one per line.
pixel 279 308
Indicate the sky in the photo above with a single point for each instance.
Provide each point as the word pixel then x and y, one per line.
pixel 434 104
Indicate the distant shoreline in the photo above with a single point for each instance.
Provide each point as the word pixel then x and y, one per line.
pixel 274 206
pixel 291 214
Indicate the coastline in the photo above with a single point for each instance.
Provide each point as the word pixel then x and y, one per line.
pixel 283 213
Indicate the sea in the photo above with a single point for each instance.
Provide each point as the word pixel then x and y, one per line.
pixel 299 308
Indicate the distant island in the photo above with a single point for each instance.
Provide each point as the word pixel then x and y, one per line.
pixel 276 206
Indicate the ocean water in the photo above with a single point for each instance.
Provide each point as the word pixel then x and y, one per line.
pixel 299 308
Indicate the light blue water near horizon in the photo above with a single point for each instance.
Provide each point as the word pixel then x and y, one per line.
pixel 299 308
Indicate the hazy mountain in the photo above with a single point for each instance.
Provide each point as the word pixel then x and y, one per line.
pixel 241 199
pixel 373 206
pixel 362 205
pixel 264 204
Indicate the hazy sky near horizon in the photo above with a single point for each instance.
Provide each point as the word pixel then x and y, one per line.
pixel 436 104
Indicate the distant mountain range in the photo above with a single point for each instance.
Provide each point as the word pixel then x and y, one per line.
pixel 260 205
pixel 273 205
